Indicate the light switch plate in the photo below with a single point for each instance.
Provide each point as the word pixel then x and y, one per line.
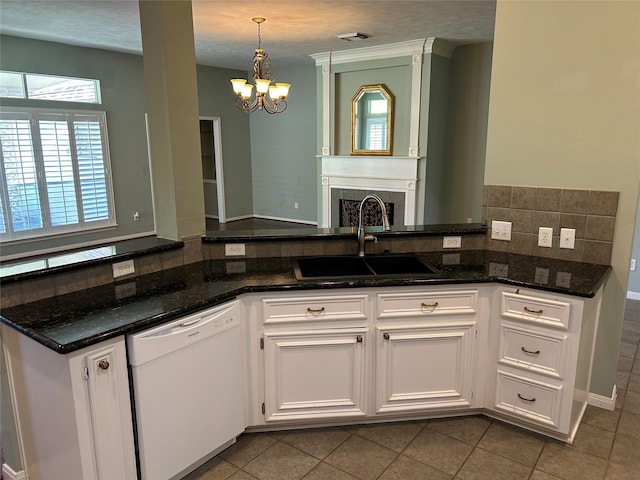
pixel 568 238
pixel 234 249
pixel 452 242
pixel 121 269
pixel 500 230
pixel 545 237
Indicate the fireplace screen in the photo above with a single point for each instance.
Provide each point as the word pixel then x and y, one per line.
pixel 371 213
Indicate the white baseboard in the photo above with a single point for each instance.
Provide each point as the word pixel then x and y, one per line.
pixel 285 219
pixel 602 401
pixel 9 473
pixel 633 295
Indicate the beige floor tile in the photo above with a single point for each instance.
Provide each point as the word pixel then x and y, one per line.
pixel 324 471
pixel 632 402
pixel 629 425
pixel 483 465
pixel 248 447
pixel 628 349
pixel 361 458
pixel 625 364
pixel 513 443
pixel 240 475
pixel 214 469
pixel 467 429
pixel 405 468
pixel 281 462
pixel 622 379
pixel 616 471
pixel 438 450
pixel 395 436
pixel 569 463
pixel 538 475
pixel 599 417
pixel 626 451
pixel 319 442
pixel 634 382
pixel 594 440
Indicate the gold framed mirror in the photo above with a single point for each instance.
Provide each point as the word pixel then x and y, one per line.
pixel 371 121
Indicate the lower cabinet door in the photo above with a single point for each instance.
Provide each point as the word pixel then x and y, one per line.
pixel 424 368
pixel 317 374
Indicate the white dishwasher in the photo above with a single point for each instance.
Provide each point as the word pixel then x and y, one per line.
pixel 187 389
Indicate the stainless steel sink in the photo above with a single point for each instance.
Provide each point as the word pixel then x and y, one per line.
pixel 341 266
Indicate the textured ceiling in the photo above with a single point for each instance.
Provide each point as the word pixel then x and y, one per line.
pixel 225 36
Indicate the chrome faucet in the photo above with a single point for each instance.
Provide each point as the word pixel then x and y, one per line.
pixel 367 237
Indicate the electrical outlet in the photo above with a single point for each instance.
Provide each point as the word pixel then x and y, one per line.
pixel 545 237
pixel 234 249
pixel 500 230
pixel 451 242
pixel 136 216
pixel 121 269
pixel 568 238
pixel 633 265
pixel 295 204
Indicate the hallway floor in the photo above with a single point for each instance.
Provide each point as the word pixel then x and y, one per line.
pixel 607 445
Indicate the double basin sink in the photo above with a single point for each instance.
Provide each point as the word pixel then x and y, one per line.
pixel 372 266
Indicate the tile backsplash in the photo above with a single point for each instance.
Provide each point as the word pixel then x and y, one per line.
pixel 591 213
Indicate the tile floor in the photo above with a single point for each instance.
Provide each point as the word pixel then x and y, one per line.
pixel 607 445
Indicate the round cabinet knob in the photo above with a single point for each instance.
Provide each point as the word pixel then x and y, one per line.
pixel 103 364
pixel 385 335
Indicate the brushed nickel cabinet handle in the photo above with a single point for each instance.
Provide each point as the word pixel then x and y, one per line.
pixel 525 399
pixel 385 335
pixel 530 352
pixel 537 312
pixel 315 310
pixel 429 305
pixel 103 364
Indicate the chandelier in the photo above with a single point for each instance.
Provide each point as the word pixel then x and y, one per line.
pixel 268 97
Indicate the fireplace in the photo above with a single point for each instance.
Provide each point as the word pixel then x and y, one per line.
pixel 347 180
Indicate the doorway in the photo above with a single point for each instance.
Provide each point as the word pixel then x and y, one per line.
pixel 212 168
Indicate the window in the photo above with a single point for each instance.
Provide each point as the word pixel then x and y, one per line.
pixel 32 86
pixel 54 172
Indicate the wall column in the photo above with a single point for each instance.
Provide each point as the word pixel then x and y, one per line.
pixel 173 125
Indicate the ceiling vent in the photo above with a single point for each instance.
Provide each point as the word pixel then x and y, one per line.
pixel 351 37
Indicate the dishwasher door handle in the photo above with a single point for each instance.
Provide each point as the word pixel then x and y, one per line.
pixel 189 324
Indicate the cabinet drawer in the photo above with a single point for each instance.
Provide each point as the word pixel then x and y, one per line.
pixel 423 304
pixel 534 401
pixel 551 313
pixel 533 351
pixel 313 308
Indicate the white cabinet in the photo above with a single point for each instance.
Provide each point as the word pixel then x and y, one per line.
pixel 314 374
pixel 543 347
pixel 424 359
pixel 314 356
pixel 73 411
pixel 362 353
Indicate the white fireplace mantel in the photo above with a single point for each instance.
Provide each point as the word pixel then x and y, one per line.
pixel 372 173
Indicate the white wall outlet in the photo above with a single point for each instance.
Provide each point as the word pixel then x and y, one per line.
pixel 633 265
pixel 121 269
pixel 295 204
pixel 234 249
pixel 542 276
pixel 545 237
pixel 136 216
pixel 452 242
pixel 500 230
pixel 568 238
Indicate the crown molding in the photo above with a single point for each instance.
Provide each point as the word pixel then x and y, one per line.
pixel 392 50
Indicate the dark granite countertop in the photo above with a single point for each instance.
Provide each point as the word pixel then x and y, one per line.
pixel 69 322
pixel 311 233
pixel 15 271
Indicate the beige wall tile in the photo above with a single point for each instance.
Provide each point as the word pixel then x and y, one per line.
pixel 100 275
pixel 548 199
pixel 546 219
pixel 597 252
pixel 499 196
pixel 603 203
pixel 521 221
pixel 600 228
pixel 574 201
pixel 523 197
pixel 575 221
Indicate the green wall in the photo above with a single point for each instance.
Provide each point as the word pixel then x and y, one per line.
pixel 283 149
pixel 564 112
pixel 123 98
pixel 215 98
